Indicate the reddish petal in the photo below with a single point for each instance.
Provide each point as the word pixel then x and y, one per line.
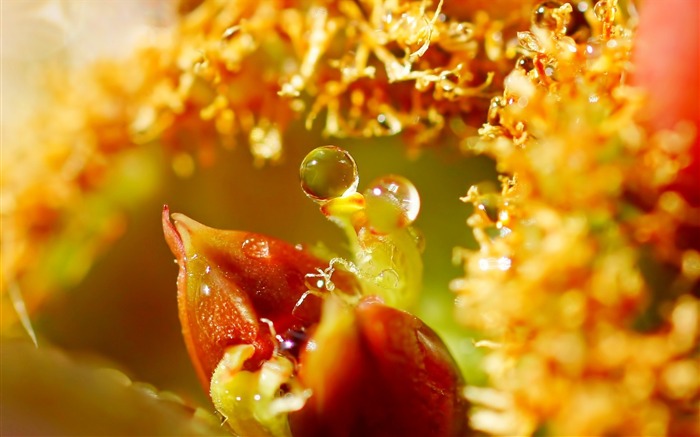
pixel 379 371
pixel 230 281
pixel 667 65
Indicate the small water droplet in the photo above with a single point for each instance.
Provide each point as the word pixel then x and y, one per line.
pixel 388 278
pixel 392 202
pixel 525 63
pixel 458 36
pixel 257 397
pixel 292 341
pixel 544 15
pixel 550 71
pixel 490 205
pixel 328 172
pixel 206 290
pixel 594 48
pixel 605 10
pixel 254 247
pixel 314 281
pixel 529 41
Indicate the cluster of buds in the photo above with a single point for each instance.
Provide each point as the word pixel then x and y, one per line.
pixel 588 295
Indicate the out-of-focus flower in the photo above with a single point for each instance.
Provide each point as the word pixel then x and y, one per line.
pixel 589 336
pixel 222 74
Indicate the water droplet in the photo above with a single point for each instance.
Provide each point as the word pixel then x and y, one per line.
pixel 315 281
pixel 388 278
pixel 392 202
pixel 490 205
pixel 525 63
pixel 457 37
pixel 550 71
pixel 292 341
pixel 605 10
pixel 529 41
pixel 206 290
pixel 328 172
pixel 460 33
pixel 545 15
pixel 254 247
pixel 594 48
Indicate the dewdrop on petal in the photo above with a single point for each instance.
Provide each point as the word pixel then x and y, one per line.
pixel 552 16
pixel 328 172
pixel 392 203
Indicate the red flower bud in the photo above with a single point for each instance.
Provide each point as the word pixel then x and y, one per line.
pixel 372 370
pixel 229 282
pixel 378 371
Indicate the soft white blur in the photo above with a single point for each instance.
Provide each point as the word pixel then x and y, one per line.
pixel 38 34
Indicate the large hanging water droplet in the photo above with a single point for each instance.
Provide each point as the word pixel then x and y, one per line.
pixel 392 202
pixel 328 172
